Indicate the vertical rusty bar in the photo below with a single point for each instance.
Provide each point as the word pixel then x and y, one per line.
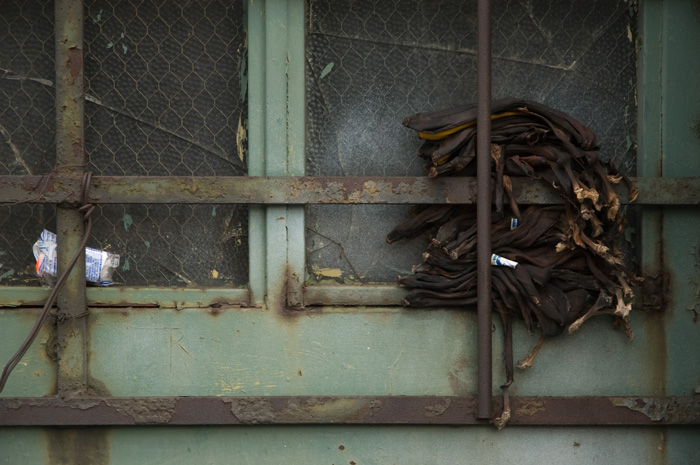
pixel 483 211
pixel 70 165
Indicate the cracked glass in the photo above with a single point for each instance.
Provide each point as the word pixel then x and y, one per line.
pixel 371 63
pixel 27 127
pixel 165 96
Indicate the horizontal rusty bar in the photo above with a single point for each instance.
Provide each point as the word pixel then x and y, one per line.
pixel 422 410
pixel 164 297
pixel 292 190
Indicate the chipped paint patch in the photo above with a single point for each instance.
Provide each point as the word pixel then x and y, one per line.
pixel 530 408
pixel 327 70
pixel 75 61
pixel 126 266
pixel 7 274
pixel 98 18
pixel 328 273
pixel 241 135
pixel 128 221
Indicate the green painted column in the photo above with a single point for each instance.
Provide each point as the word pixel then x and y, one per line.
pixel 276 145
pixel 669 135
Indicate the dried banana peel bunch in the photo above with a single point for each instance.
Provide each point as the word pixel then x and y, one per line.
pixel 567 264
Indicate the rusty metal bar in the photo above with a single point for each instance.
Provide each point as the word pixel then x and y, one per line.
pixel 483 208
pixel 70 165
pixel 302 190
pixel 124 296
pixel 416 410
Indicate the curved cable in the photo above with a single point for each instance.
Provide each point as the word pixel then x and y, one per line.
pixel 86 209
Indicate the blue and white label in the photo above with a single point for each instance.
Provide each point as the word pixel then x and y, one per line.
pixel 514 223
pixel 497 260
pixel 99 264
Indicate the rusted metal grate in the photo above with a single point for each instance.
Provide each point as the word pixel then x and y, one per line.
pixel 165 96
pixel 372 63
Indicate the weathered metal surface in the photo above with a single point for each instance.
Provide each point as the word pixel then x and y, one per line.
pixel 300 190
pixel 428 410
pixel 680 126
pixel 483 207
pixel 355 295
pixel 35 374
pixel 671 100
pixel 348 351
pixel 15 296
pixel 70 160
pixel 369 444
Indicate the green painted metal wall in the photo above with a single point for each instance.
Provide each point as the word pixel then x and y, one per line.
pixel 387 351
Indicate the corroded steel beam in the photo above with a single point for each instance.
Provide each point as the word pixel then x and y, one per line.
pixel 424 410
pixel 70 164
pixel 290 190
pixel 483 209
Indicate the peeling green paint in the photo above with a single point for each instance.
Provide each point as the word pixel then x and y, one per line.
pixel 128 221
pixel 97 19
pixel 147 244
pixel 327 69
pixel 126 266
pixel 7 274
pixel 213 211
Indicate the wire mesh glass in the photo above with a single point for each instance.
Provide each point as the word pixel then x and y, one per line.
pixel 371 63
pixel 165 96
pixel 27 127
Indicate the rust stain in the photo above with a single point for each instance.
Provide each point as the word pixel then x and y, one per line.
pixel 78 149
pixel 77 446
pixel 455 375
pixel 371 188
pixel 37 183
pixel 145 411
pixel 75 61
pixel 529 408
pixel 215 310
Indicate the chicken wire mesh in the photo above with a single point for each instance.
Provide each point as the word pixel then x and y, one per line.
pixel 371 63
pixel 27 126
pixel 165 95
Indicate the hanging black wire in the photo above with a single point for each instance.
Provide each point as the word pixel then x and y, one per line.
pixel 87 209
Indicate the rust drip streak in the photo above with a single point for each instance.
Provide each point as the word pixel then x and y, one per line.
pixel 75 62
